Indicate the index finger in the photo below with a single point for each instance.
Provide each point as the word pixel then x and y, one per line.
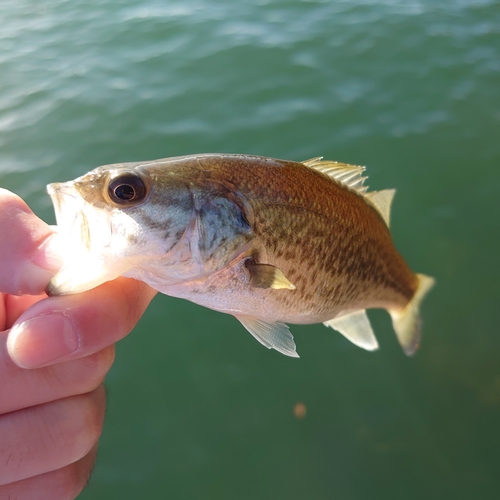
pixel 28 248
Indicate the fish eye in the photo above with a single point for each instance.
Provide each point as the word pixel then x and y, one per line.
pixel 127 189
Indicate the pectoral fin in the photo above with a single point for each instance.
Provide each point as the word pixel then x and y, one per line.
pixel 273 335
pixel 267 276
pixel 356 328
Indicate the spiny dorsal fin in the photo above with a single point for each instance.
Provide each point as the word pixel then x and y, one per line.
pixel 381 200
pixel 352 177
pixel 349 175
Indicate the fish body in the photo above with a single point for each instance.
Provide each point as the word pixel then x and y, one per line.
pixel 269 241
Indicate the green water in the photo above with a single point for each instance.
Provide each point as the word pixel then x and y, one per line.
pixel 197 408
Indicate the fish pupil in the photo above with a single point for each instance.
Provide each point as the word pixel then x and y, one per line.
pixel 126 189
pixel 125 192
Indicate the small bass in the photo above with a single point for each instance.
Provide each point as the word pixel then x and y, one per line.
pixel 269 241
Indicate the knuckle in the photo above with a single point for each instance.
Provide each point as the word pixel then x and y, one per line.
pixel 72 426
pixel 88 420
pixel 61 484
pixel 75 477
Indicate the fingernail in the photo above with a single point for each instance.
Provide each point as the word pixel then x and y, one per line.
pixel 42 340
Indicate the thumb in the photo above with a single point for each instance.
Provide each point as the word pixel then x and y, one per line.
pixel 28 248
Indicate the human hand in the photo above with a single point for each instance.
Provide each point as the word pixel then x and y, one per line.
pixel 53 360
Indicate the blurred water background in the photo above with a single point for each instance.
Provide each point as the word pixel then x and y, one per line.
pixel 411 88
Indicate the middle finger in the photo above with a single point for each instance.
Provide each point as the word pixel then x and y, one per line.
pixel 33 387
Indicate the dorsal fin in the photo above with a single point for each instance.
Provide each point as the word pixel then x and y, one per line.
pixel 381 200
pixel 352 177
pixel 349 175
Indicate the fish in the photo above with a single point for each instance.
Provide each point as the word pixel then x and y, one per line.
pixel 272 242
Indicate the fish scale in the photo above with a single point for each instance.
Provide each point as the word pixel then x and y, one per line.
pixel 269 241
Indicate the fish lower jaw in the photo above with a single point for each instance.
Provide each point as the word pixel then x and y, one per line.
pixel 81 276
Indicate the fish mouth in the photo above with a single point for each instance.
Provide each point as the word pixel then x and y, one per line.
pixel 69 210
pixel 85 233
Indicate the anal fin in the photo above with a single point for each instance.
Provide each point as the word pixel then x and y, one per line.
pixel 356 328
pixel 273 335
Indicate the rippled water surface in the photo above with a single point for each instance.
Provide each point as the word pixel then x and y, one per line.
pixel 197 408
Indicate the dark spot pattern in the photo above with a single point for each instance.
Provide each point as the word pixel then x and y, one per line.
pixel 324 237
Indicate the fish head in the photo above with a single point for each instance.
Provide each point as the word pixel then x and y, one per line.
pixel 146 221
pixel 114 219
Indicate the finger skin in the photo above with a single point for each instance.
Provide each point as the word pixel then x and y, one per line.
pixel 15 305
pixel 99 318
pixel 62 484
pixel 3 313
pixel 27 260
pixel 51 418
pixel 48 437
pixel 25 388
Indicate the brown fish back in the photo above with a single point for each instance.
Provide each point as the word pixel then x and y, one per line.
pixel 326 238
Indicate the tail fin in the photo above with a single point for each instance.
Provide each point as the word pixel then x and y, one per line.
pixel 406 322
